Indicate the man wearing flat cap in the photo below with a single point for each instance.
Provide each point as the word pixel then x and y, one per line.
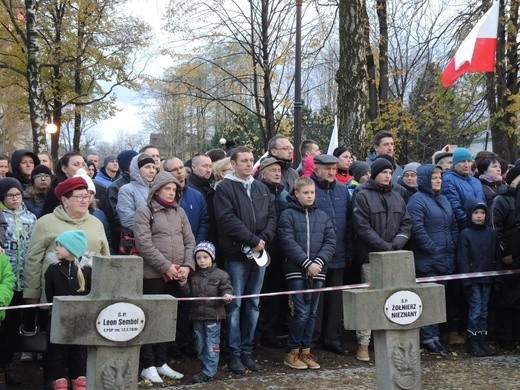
pixel 381 223
pixel 333 198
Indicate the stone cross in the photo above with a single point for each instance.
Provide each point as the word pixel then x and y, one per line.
pixel 395 307
pixel 114 320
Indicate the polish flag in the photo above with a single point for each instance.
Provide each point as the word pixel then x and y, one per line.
pixel 477 52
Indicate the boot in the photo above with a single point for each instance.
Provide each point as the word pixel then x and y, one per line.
pixel 80 383
pixel 2 380
pixel 484 344
pixel 292 359
pixel 306 357
pixel 362 353
pixel 473 345
pixel 11 376
pixel 61 384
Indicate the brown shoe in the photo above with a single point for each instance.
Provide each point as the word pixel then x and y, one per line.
pixel 292 359
pixel 362 353
pixel 455 338
pixel 308 359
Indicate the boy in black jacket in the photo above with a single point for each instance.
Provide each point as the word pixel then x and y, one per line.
pixel 477 251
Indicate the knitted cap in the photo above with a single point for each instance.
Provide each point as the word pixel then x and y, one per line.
pixel 379 165
pixel 358 169
pixel 461 154
pixel 339 151
pixel 388 158
pixel 109 158
pixel 75 241
pixel 69 185
pixel 83 174
pixel 40 169
pixel 144 159
pixel 411 167
pixel 6 184
pixel 124 159
pixel 206 246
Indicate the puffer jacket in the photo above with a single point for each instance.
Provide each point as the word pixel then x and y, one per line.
pixel 243 220
pixel 163 235
pixel 334 199
pixel 41 246
pixel 20 224
pixel 477 249
pixel 434 228
pixel 461 191
pixel 381 221
pixel 193 203
pixel 505 224
pixel 208 282
pixel 131 196
pixel 6 284
pixel 306 236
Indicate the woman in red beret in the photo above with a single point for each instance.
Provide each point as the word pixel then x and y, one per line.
pixel 71 214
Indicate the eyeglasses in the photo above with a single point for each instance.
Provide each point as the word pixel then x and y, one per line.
pixel 286 148
pixel 14 196
pixel 80 198
pixel 42 176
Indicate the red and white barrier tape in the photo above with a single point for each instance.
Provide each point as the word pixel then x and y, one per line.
pixel 334 288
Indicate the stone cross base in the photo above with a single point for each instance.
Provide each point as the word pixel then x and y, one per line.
pixel 398 359
pixel 112 367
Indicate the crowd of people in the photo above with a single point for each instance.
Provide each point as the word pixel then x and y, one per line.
pixel 221 226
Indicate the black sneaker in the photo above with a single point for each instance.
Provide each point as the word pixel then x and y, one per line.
pixel 235 365
pixel 248 361
pixel 200 377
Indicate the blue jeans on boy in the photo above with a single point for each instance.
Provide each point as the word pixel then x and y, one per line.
pixel 207 341
pixel 478 298
pixel 303 320
pixel 242 315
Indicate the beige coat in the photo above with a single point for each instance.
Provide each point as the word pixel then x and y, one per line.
pixel 169 238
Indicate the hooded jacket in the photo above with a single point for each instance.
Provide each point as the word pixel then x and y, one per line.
pixel 243 219
pixel 104 178
pixel 41 246
pixel 381 221
pixel 16 157
pixel 434 228
pixel 193 203
pixel 131 196
pixel 6 284
pixel 306 236
pixel 163 235
pixel 461 191
pixel 20 224
pixel 504 222
pixel 477 248
pixel 334 199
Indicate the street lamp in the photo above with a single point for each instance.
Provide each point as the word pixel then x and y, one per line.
pixel 51 128
pixel 298 86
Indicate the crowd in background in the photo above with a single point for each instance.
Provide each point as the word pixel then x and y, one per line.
pixel 207 227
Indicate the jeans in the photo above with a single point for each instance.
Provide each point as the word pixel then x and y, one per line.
pixel 242 317
pixel 304 317
pixel 207 341
pixel 478 299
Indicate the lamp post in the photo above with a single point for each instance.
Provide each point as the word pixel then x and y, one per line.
pixel 298 86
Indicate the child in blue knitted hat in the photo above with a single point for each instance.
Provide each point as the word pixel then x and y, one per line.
pixel 207 281
pixel 66 277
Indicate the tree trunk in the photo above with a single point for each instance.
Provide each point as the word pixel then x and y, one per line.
pixel 383 50
pixel 352 75
pixel 36 104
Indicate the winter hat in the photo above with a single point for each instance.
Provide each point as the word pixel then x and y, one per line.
pixel 268 161
pixel 358 169
pixel 461 154
pixel 379 165
pixel 40 169
pixel 144 159
pixel 439 155
pixel 6 184
pixel 69 185
pixel 124 158
pixel 411 167
pixel 206 246
pixel 480 206
pixel 75 241
pixel 109 158
pixel 512 174
pixel 90 184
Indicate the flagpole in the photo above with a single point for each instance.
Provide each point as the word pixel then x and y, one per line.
pixel 298 87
